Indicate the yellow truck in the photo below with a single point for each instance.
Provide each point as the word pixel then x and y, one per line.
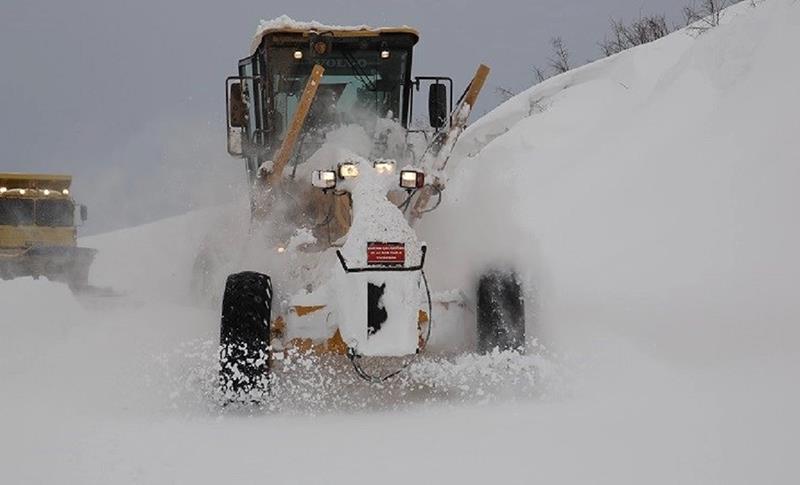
pixel 38 230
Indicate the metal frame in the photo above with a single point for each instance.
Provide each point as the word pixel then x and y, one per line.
pixel 228 127
pixel 416 84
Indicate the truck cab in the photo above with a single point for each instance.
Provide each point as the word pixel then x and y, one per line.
pixel 367 78
pixel 38 229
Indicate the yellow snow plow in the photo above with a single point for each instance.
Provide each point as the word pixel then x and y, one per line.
pixel 340 170
pixel 38 230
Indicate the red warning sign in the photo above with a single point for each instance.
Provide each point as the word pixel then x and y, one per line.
pixel 386 253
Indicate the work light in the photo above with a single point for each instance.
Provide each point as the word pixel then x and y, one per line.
pixel 323 179
pixel 412 179
pixel 348 170
pixel 298 55
pixel 383 166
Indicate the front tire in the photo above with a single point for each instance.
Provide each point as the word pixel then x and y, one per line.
pixel 244 337
pixel 501 312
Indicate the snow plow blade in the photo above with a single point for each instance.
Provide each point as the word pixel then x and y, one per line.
pixel 65 264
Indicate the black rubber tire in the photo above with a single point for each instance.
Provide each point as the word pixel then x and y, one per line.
pixel 245 336
pixel 501 312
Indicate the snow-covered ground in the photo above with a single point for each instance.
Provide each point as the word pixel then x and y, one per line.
pixel 648 198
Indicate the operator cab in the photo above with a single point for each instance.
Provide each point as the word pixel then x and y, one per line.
pixel 367 78
pixel 31 200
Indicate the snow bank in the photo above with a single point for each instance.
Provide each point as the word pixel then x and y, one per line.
pixel 649 195
pixel 35 314
pixel 155 260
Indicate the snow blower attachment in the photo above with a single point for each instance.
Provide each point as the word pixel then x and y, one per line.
pixel 356 286
pixel 38 234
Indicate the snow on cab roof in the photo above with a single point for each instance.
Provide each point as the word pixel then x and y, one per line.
pixel 286 24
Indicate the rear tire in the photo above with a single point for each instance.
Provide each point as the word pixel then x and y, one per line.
pixel 244 337
pixel 501 312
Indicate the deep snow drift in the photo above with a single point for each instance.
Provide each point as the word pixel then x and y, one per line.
pixel 653 193
pixel 649 199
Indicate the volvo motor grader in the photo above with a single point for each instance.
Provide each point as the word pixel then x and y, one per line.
pixel 38 234
pixel 354 283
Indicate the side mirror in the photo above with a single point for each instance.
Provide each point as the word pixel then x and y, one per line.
pixel 437 105
pixel 84 213
pixel 237 108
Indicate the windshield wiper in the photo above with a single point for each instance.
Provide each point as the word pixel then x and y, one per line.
pixel 361 75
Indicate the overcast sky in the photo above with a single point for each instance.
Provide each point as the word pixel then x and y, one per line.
pixel 128 95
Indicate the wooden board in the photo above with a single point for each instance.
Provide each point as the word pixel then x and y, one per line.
pixel 476 86
pixel 299 119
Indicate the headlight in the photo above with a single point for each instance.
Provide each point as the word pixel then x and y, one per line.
pixel 412 179
pixel 3 190
pixel 384 166
pixel 348 170
pixel 65 192
pixel 323 179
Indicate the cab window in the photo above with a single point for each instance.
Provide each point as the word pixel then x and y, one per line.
pixel 55 213
pixel 16 212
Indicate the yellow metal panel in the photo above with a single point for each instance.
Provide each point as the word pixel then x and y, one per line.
pixel 28 236
pixel 35 181
pixel 476 85
pixel 334 345
pixel 332 31
pixel 305 310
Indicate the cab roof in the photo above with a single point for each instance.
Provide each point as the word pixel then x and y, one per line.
pixel 286 25
pixel 35 181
